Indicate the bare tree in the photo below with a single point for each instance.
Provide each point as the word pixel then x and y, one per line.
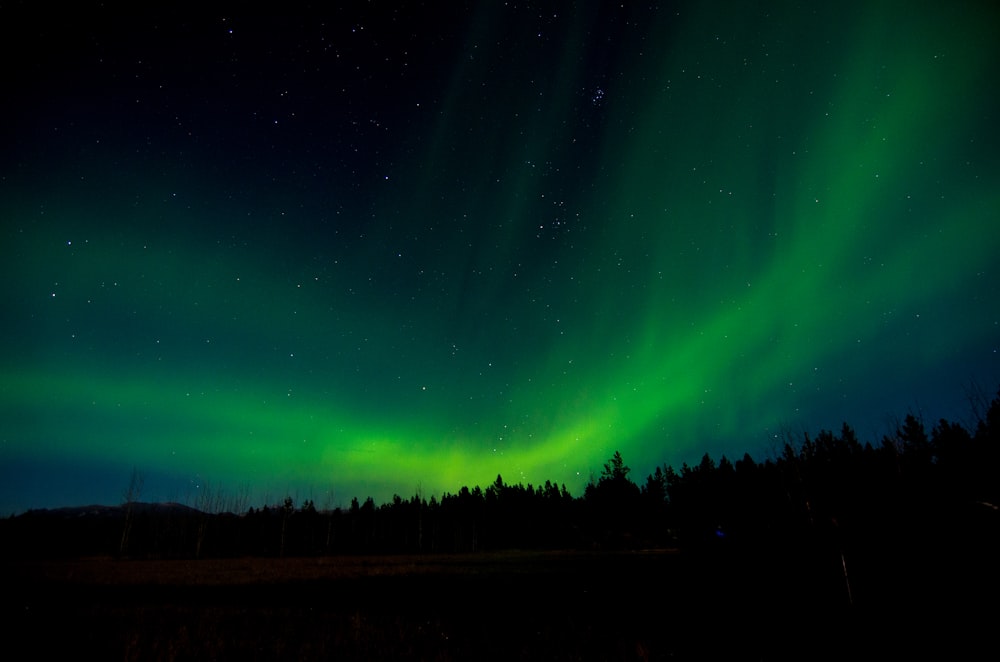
pixel 208 502
pixel 287 508
pixel 129 498
pixel 241 500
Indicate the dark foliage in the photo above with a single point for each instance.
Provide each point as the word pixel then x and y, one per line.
pixel 833 550
pixel 854 520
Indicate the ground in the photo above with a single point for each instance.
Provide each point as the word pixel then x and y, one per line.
pixel 512 605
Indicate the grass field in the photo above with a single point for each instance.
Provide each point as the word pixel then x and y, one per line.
pixel 503 606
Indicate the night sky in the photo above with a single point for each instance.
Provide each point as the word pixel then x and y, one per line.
pixel 388 249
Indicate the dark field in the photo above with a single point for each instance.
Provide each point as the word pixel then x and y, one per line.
pixel 512 605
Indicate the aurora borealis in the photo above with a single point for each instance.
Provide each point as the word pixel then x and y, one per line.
pixel 367 251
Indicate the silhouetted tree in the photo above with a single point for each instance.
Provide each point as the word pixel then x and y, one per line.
pixel 655 489
pixel 287 508
pixel 615 469
pixel 613 502
pixel 129 498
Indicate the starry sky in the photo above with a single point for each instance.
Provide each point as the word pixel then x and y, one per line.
pixel 399 247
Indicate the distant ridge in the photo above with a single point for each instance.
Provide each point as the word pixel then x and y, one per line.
pixel 99 511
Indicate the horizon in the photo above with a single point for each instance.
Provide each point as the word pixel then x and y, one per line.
pixel 209 498
pixel 372 251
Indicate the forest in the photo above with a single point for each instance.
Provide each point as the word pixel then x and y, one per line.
pixel 831 492
pixel 832 547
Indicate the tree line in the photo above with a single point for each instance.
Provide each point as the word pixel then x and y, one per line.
pixel 828 495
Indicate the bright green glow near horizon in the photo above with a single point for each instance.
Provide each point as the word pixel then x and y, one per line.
pixel 231 437
pixel 761 224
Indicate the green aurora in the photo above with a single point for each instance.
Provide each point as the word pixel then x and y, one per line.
pixel 521 241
